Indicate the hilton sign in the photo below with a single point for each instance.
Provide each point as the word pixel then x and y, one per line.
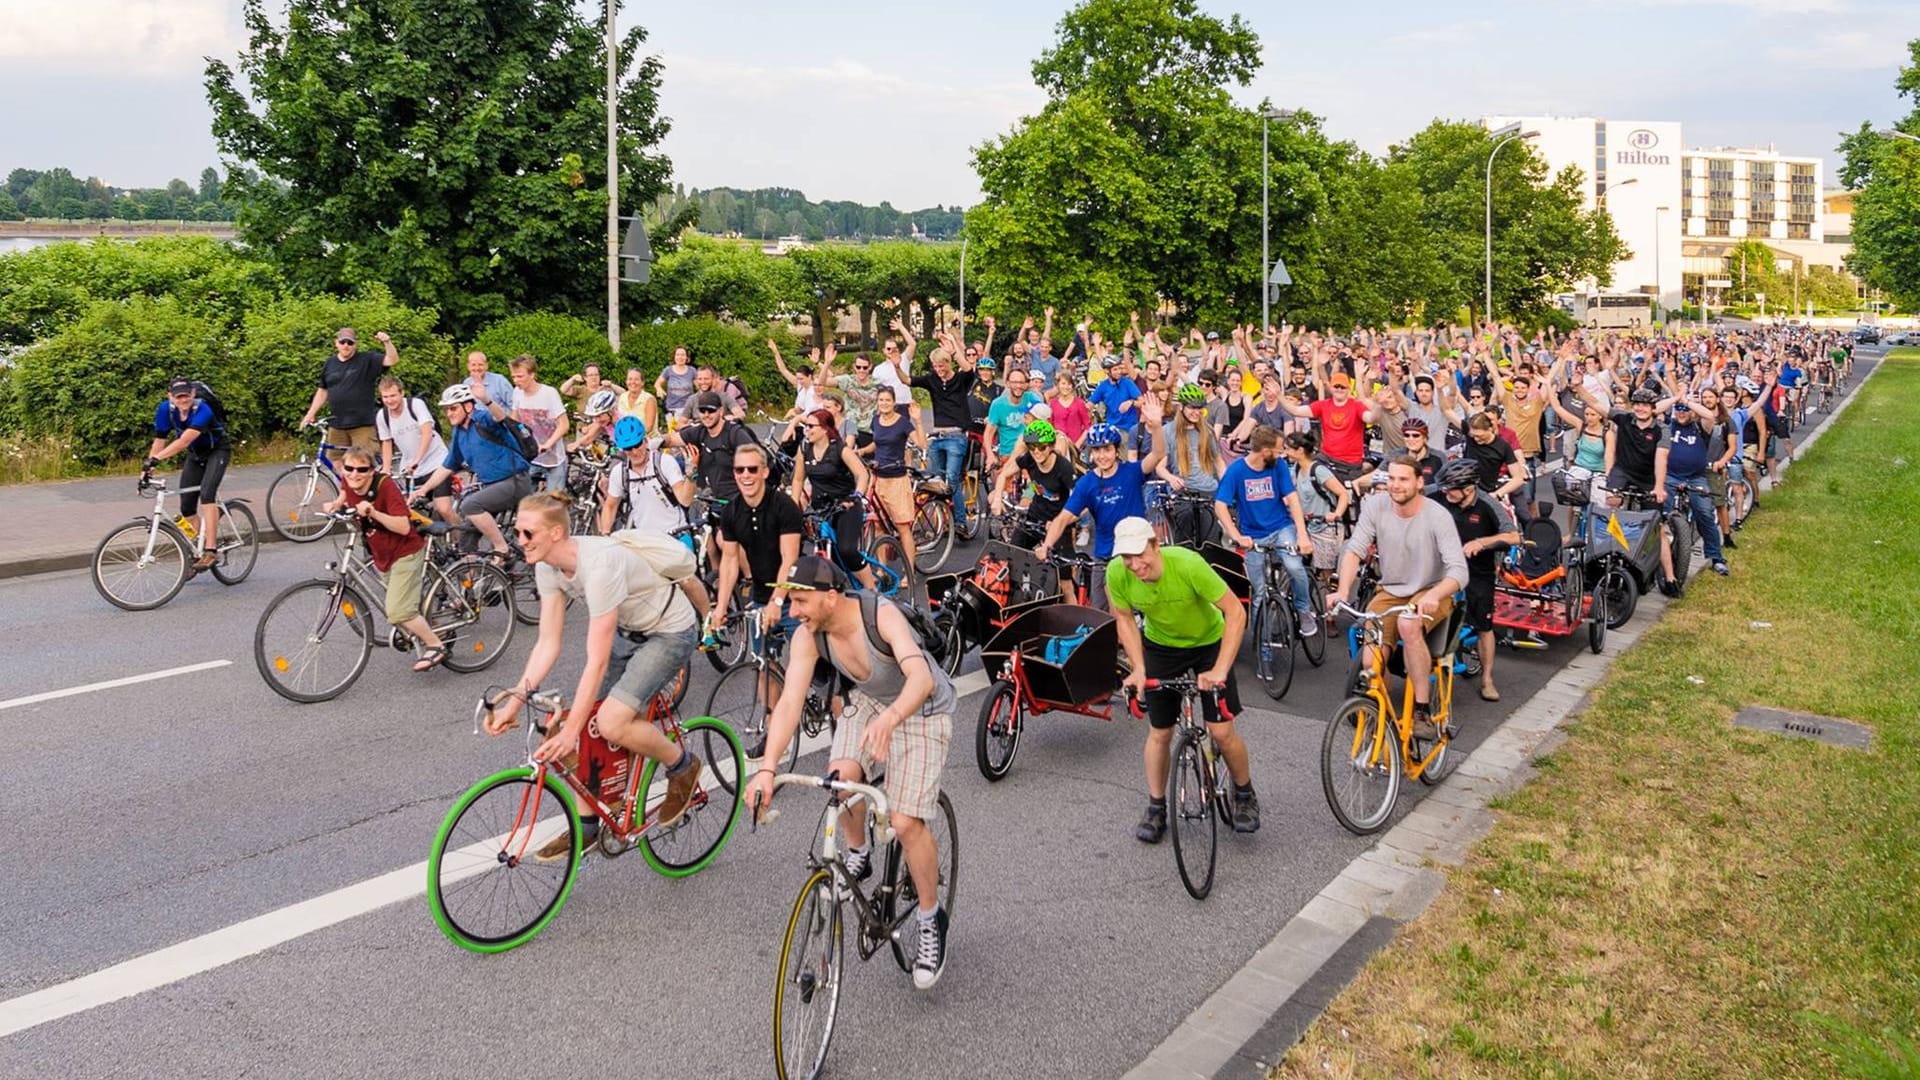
pixel 1642 141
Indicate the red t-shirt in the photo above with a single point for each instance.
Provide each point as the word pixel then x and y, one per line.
pixel 1343 434
pixel 385 546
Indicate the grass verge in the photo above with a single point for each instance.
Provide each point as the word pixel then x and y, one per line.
pixel 1674 897
pixel 36 460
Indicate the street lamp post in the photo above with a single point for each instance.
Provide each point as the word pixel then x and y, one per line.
pixel 1500 138
pixel 613 182
pixel 1895 133
pixel 1659 298
pixel 1266 256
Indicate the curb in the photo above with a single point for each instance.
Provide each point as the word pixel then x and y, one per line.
pixel 1258 1014
pixel 77 560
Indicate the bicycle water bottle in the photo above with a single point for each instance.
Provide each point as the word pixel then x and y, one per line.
pixel 186 525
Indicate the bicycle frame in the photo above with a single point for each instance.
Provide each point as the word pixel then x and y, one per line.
pixel 1015 672
pixel 1440 703
pixel 160 516
pixel 826 539
pixel 828 854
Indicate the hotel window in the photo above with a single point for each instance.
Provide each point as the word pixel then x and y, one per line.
pixel 1717 227
pixel 1797 230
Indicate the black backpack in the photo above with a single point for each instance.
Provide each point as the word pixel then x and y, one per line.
pixel 205 393
pixel 523 442
pixel 932 644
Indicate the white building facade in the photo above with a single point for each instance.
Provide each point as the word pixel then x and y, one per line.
pixel 1737 193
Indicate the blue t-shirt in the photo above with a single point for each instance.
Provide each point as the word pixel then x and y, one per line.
pixel 1790 376
pixel 1258 497
pixel 167 423
pixel 489 460
pixel 1687 452
pixel 1044 368
pixel 1010 419
pixel 1112 393
pixel 1111 498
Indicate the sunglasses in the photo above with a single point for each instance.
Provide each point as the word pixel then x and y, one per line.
pixel 525 534
pixel 707 410
pixel 862 367
pixel 345 341
pixel 356 468
pixel 745 470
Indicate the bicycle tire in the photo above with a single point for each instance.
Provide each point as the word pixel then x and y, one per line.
pixel 470 607
pixel 236 518
pixel 945 828
pixel 1622 593
pixel 1360 751
pixel 526 591
pixel 317 618
pixel 734 702
pixel 815 920
pixel 116 567
pixel 485 859
pixel 1440 764
pixel 1597 623
pixel 1273 635
pixel 294 510
pixel 889 561
pixel 1314 648
pixel 996 738
pixel 733 635
pixel 1191 815
pixel 932 534
pixel 954 647
pixel 690 844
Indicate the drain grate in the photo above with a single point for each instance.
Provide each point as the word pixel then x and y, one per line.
pixel 1824 729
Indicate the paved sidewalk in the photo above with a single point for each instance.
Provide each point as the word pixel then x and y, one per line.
pixel 56 526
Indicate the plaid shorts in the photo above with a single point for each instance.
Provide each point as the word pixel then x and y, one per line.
pixel 915 756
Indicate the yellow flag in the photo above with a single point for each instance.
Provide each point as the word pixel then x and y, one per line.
pixel 1613 529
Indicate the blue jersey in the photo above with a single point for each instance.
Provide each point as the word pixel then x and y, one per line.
pixel 489 460
pixel 1258 497
pixel 167 423
pixel 1687 451
pixel 1113 393
pixel 1112 499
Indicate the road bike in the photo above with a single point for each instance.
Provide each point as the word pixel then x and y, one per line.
pixel 313 640
pixel 1275 624
pixel 490 893
pixel 144 563
pixel 806 991
pixel 296 498
pixel 885 557
pixel 1199 798
pixel 1369 744
pixel 744 697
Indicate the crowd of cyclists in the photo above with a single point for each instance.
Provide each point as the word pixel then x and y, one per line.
pixel 1415 457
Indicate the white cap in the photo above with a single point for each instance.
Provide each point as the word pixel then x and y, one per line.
pixel 1042 411
pixel 1131 536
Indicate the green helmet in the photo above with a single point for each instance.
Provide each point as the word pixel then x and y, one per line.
pixel 1191 394
pixel 1039 433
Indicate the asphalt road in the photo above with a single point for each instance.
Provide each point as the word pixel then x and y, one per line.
pixel 144 816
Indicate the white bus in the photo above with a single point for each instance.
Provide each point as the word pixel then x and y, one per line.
pixel 1613 311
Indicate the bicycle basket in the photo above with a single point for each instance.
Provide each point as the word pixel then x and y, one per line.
pixel 1573 486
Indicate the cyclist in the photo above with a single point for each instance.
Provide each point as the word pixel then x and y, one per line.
pixel 1690 437
pixel 538 406
pixel 1117 397
pixel 347 382
pixel 715 439
pixel 759 537
pixel 830 476
pixel 948 389
pixel 1421 563
pixel 1502 472
pixel 482 443
pixel 1007 417
pixel 1343 421
pixel 1193 464
pixel 1190 622
pixel 185 424
pixel 1051 474
pixel 409 433
pixel 397 551
pixel 644 490
pixel 640 633
pixel 1485 530
pixel 1522 408
pixel 674 385
pixel 1637 446
pixel 899 713
pixel 1114 490
pixel 1323 499
pixel 600 418
pixel 892 484
pixel 1257 507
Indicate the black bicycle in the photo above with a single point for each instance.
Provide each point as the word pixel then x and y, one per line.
pixel 744 697
pixel 1198 799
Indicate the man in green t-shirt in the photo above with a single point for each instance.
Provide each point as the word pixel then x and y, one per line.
pixel 1193 624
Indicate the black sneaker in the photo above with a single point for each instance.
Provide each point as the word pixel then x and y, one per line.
pixel 1246 812
pixel 1153 824
pixel 1727 542
pixel 931 961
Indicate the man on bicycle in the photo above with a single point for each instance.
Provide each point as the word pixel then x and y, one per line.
pixel 185 424
pixel 644 490
pixel 899 713
pixel 348 382
pixel 1421 563
pixel 759 537
pixel 1258 491
pixel 1192 623
pixel 1050 473
pixel 481 442
pixel 640 633
pixel 394 548
pixel 1114 491
pixel 1485 529
pixel 947 450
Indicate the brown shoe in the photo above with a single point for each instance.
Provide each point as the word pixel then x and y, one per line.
pixel 1423 728
pixel 206 561
pixel 680 791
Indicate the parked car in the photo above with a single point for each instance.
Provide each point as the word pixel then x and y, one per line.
pixel 1866 335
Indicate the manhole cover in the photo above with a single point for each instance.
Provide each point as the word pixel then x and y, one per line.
pixel 1824 729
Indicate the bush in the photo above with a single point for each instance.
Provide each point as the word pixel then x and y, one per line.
pixel 562 345
pixel 728 348
pixel 48 287
pixel 285 342
pixel 103 376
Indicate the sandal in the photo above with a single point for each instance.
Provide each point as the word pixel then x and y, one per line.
pixel 430 658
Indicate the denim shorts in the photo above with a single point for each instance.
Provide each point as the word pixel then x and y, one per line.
pixel 641 668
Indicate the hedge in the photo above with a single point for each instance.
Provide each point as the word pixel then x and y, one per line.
pixel 730 349
pixel 284 342
pixel 561 344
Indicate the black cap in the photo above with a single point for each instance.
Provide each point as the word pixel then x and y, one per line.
pixel 811 573
pixel 180 386
pixel 707 400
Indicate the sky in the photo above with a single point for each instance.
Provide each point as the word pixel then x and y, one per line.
pixel 872 101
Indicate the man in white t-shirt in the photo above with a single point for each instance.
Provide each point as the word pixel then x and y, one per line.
pixel 645 489
pixel 539 406
pixel 410 444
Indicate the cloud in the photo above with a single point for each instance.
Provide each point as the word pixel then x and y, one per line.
pixel 137 37
pixel 1848 50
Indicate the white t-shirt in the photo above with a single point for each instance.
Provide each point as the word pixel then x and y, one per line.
pixel 541 411
pixel 417 451
pixel 885 374
pixel 612 576
pixel 648 507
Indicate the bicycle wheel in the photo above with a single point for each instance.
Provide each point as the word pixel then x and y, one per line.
pixel 526 592
pixel 954 647
pixel 997 738
pixel 313 640
pixel 1273 647
pixel 806 993
pixel 127 577
pixel 736 702
pixel 1315 647
pixel 687 846
pixel 932 535
pixel 1360 766
pixel 471 607
pixel 733 636
pixel 239 543
pixel 294 500
pixel 1597 622
pixel 946 838
pixel 487 892
pixel 1622 595
pixel 889 561
pixel 1190 811
pixel 1439 761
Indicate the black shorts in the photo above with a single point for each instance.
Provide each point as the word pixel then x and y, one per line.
pixel 207 472
pixel 443 491
pixel 1166 661
pixel 1480 603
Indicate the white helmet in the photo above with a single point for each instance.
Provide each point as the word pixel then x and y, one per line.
pixel 1042 411
pixel 601 402
pixel 457 394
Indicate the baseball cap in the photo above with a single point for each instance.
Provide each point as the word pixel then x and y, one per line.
pixel 180 386
pixel 1131 536
pixel 811 573
pixel 1340 379
pixel 707 400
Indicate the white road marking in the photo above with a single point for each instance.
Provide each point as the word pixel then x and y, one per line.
pixel 35 699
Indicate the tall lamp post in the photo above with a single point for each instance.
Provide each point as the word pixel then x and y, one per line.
pixel 1266 256
pixel 1501 138
pixel 1659 298
pixel 613 182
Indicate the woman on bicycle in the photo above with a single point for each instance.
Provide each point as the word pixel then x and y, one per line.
pixel 828 479
pixel 1193 464
pixel 1071 418
pixel 892 484
pixel 397 551
pixel 600 416
pixel 1323 500
pixel 1051 474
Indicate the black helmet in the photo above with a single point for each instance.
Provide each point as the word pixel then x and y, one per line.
pixel 1456 474
pixel 1646 395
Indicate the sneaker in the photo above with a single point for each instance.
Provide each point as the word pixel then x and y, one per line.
pixel 1721 569
pixel 1246 812
pixel 859 863
pixel 559 846
pixel 1309 625
pixel 1423 726
pixel 931 962
pixel 1153 824
pixel 756 749
pixel 1727 542
pixel 680 791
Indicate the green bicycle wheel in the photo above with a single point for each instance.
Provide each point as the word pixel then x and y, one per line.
pixel 688 845
pixel 487 890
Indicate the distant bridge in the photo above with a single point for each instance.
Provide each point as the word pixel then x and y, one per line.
pixel 128 230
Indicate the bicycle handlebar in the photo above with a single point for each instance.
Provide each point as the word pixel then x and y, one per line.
pixel 875 798
pixel 1378 616
pixel 1186 684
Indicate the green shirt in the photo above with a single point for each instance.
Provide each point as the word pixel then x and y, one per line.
pixel 1181 607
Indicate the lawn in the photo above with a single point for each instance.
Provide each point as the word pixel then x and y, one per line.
pixel 1674 897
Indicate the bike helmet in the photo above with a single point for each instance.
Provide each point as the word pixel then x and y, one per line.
pixel 1191 395
pixel 1646 395
pixel 987 363
pixel 1042 411
pixel 601 402
pixel 1456 474
pixel 1104 435
pixel 1413 423
pixel 457 394
pixel 1038 433
pixel 629 432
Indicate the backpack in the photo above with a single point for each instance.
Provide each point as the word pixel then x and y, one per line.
pixel 931 642
pixel 205 393
pixel 523 442
pixel 381 418
pixel 668 557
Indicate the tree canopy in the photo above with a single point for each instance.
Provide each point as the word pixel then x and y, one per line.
pixel 58 193
pixel 1886 208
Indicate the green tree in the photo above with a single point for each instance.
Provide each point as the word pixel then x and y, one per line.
pixel 453 149
pixel 1886 208
pixel 9 210
pixel 1753 268
pixel 1830 290
pixel 44 289
pixel 723 278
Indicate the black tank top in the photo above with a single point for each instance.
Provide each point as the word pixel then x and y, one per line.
pixel 828 478
pixel 1235 413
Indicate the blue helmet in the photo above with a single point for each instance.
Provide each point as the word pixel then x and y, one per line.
pixel 1104 435
pixel 629 432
